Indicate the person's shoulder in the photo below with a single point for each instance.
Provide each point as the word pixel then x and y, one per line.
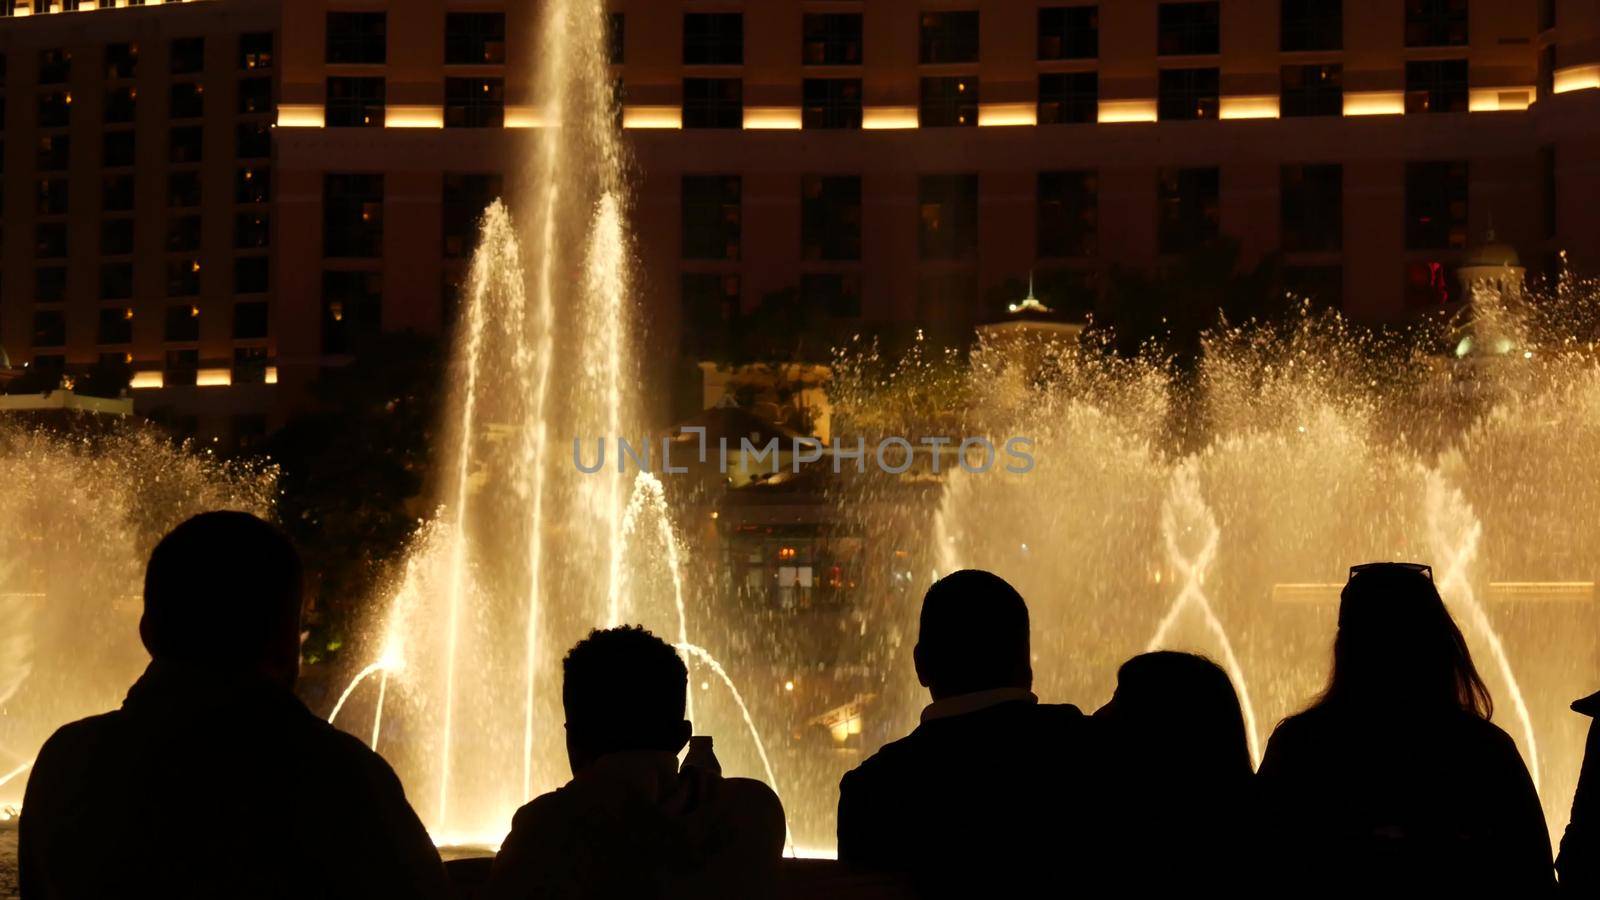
pixel 75 738
pixel 1059 715
pixel 1486 734
pixel 756 805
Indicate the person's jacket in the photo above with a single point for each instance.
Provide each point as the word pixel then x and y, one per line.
pixel 1579 862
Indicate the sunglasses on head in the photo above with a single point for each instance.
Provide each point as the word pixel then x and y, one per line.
pixel 1422 569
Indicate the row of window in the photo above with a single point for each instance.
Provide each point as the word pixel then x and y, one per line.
pixel 251 275
pixel 185 100
pixel 185 56
pixel 362 38
pixel 179 367
pixel 358 102
pixel 1067 209
pixel 251 186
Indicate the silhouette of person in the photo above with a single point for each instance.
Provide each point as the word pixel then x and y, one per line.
pixel 1394 780
pixel 1579 862
pixel 990 792
pixel 1180 786
pixel 631 823
pixel 212 779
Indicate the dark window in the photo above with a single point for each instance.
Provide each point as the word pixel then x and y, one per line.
pixel 183 234
pixel 249 320
pixel 1311 25
pixel 710 308
pixel 183 280
pixel 54 66
pixel 255 95
pixel 355 102
pixel 250 275
pixel 187 56
pixel 1548 220
pixel 55 109
pixel 52 197
pixel 711 216
pixel 184 145
pixel 357 38
pixel 49 284
pixel 55 151
pixel 1322 285
pixel 1436 86
pixel 949 37
pixel 1069 32
pixel 352 309
pixel 1547 14
pixel 713 39
pixel 466 196
pixel 187 100
pixel 1069 214
pixel 249 365
pixel 49 328
pixel 1436 205
pixel 180 368
pixel 251 185
pixel 117 149
pixel 831 39
pixel 474 38
pixel 116 237
pixel 1312 207
pixel 1068 97
pixel 1189 29
pixel 947 216
pixel 949 101
pixel 830 217
pixel 253 140
pixel 1189 208
pixel 1189 94
pixel 832 103
pixel 116 325
pixel 352 215
pixel 616 38
pixel 255 50
pixel 946 302
pixel 1436 23
pixel 183 189
pixel 120 104
pixel 838 294
pixel 713 103
pixel 50 240
pixel 251 230
pixel 1312 90
pixel 116 193
pixel 122 61
pixel 474 102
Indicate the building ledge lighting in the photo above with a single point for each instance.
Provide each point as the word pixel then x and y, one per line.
pixel 213 378
pixel 1499 99
pixel 885 118
pixel 1127 110
pixel 1375 103
pixel 413 116
pixel 272 375
pixel 143 381
pixel 523 117
pixel 1249 107
pixel 1004 114
pixel 300 115
pixel 772 118
pixel 652 117
pixel 1576 78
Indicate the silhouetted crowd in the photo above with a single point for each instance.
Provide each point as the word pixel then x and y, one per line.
pixel 213 780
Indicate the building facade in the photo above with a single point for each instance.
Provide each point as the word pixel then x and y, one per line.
pixel 891 161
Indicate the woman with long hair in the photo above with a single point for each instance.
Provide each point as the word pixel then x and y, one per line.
pixel 1395 779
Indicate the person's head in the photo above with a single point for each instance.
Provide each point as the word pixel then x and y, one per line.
pixel 623 689
pixel 1180 709
pixel 973 636
pixel 1398 647
pixel 222 590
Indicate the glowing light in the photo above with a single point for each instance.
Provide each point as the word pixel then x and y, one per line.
pixel 652 117
pixel 1007 114
pixel 772 118
pixel 272 374
pixel 788 685
pixel 403 116
pixel 147 381
pixel 1499 99
pixel 300 115
pixel 1375 103
pixel 886 118
pixel 523 117
pixel 1250 107
pixel 1577 78
pixel 1127 111
pixel 213 378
